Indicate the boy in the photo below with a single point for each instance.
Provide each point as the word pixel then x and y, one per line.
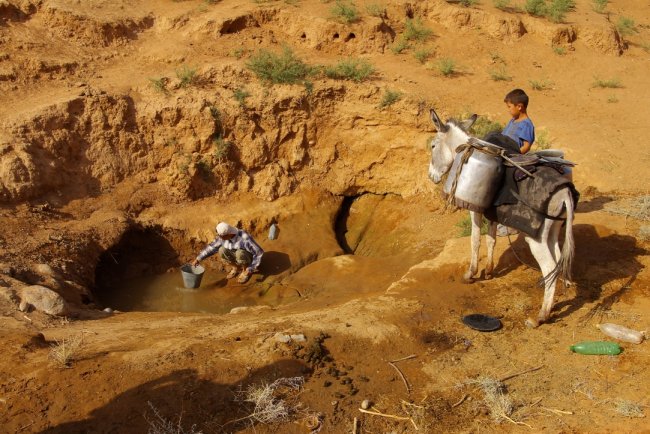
pixel 520 128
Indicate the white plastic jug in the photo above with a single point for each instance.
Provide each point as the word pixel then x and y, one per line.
pixel 621 333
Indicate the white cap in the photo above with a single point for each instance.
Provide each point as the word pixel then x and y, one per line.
pixel 225 229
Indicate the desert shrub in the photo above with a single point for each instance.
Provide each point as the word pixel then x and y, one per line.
pixel 446 66
pixel 390 97
pixel 535 7
pixel 557 9
pixel 239 52
pixel 159 425
pixel 350 69
pixel 464 226
pixel 540 84
pixel 502 4
pixel 159 85
pixel 542 139
pixel 612 99
pixel 222 148
pixel 628 408
pixel 416 31
pixel 64 351
pixel 483 126
pixel 422 55
pixel 204 169
pixel 279 68
pixel 645 46
pixel 345 11
pixel 468 3
pixel 599 5
pixel 400 45
pixel 186 75
pixel 612 83
pixel 240 95
pixel 500 74
pixel 626 26
pixel 376 10
pixel 560 51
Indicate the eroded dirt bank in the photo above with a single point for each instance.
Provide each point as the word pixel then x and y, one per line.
pixel 129 129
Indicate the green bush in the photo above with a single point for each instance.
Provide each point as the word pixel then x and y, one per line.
pixel 345 11
pixel 535 7
pixel 376 10
pixel 283 68
pixel 540 84
pixel 186 75
pixel 612 83
pixel 626 26
pixel 350 69
pixel 468 3
pixel 542 139
pixel 400 45
pixel 599 6
pixel 422 55
pixel 500 74
pixel 240 95
pixel 446 66
pixel 222 148
pixel 502 4
pixel 390 97
pixel 560 51
pixel 416 31
pixel 159 85
pixel 465 226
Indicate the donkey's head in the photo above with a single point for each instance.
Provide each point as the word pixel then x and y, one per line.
pixel 443 146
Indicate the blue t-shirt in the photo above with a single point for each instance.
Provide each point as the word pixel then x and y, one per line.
pixel 520 131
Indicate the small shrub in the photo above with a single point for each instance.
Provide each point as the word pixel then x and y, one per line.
pixel 390 97
pixel 186 75
pixel 400 45
pixel 204 170
pixel 540 84
pixel 345 11
pixel 535 7
pixel 645 46
pixel 292 2
pixel 500 74
pixel 222 148
pixel 560 51
pixel 557 9
pixel 159 425
pixel 64 351
pixel 350 69
pixel 484 126
pixel 542 139
pixel 465 226
pixel 416 31
pixel 612 99
pixel 468 3
pixel 502 4
pixel 446 66
pixel 628 408
pixel 599 6
pixel 422 55
pixel 239 52
pixel 626 26
pixel 376 10
pixel 612 83
pixel 279 68
pixel 159 85
pixel 240 95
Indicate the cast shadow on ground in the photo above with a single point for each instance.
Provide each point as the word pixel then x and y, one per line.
pixel 181 397
pixel 597 262
pixel 594 204
pixel 274 263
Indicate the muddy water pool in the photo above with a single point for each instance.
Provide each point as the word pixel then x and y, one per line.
pixel 166 293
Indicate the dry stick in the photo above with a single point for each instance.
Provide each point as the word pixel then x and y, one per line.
pixel 556 411
pixel 354 426
pixel 460 402
pixel 412 356
pixel 521 373
pixel 390 416
pixel 408 389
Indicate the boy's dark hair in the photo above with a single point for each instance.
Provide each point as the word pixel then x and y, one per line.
pixel 517 96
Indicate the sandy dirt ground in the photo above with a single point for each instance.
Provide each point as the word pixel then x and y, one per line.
pixel 129 129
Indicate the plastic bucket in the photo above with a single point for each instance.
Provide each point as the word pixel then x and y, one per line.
pixel 192 275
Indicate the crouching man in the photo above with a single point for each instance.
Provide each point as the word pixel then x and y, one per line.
pixel 237 248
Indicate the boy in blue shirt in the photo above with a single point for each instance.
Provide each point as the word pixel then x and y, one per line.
pixel 520 128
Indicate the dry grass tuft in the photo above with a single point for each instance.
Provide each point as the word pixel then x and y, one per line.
pixel 628 408
pixel 64 351
pixel 638 208
pixel 159 425
pixel 495 398
pixel 272 403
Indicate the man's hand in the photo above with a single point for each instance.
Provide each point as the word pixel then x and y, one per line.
pixel 195 263
pixel 244 276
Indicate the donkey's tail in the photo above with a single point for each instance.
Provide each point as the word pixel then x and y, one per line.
pixel 568 249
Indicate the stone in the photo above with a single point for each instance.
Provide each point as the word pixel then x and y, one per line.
pixel 43 299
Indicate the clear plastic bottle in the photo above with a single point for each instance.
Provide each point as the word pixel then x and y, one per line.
pixel 273 232
pixel 600 347
pixel 621 333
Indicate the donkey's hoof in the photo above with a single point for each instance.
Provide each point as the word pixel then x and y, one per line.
pixel 532 323
pixel 468 278
pixel 488 276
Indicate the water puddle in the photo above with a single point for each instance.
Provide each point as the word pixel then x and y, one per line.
pixel 166 293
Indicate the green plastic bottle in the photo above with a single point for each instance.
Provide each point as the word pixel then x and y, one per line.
pixel 598 347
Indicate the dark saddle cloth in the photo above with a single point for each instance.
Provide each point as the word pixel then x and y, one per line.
pixel 522 201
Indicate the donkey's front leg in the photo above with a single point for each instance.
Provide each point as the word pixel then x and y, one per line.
pixel 477 219
pixel 490 241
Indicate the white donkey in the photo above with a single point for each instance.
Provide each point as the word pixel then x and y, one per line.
pixel 545 248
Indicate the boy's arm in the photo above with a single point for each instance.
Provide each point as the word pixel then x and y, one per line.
pixel 525 147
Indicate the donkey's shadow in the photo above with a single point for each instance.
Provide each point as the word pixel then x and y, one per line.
pixel 600 258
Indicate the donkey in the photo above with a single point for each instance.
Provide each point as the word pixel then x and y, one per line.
pixel 545 248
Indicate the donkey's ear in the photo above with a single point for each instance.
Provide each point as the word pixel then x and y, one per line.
pixel 467 123
pixel 440 125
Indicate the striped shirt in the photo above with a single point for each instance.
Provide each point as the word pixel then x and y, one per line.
pixel 243 240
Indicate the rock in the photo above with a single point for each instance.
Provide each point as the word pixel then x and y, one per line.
pixel 365 404
pixel 298 338
pixel 108 310
pixel 282 338
pixel 44 300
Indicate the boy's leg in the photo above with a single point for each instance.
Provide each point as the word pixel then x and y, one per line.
pixel 229 257
pixel 244 258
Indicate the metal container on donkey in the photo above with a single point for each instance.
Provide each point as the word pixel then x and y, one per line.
pixel 478 181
